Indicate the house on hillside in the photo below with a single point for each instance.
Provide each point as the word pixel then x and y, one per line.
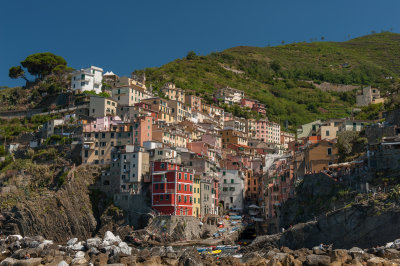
pixel 88 79
pixel 318 156
pixel 368 95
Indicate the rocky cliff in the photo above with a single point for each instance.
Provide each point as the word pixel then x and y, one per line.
pixel 57 214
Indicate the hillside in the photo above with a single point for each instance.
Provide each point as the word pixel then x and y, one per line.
pixel 277 75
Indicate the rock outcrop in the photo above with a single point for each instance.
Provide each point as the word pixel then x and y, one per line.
pixel 58 215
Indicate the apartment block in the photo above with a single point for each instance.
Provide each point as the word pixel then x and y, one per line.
pixel 172 189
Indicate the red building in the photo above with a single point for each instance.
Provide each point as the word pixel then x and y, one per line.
pixel 259 108
pixel 247 103
pixel 172 189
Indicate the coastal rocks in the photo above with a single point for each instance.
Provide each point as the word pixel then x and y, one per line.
pixel 318 260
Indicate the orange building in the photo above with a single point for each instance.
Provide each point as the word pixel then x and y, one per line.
pixel 318 157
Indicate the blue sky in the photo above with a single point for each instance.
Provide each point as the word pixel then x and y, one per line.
pixel 126 35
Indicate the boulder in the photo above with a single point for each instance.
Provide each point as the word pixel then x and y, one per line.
pixel 143 255
pixel 174 262
pixel 114 259
pixel 318 260
pixel 125 250
pixel 157 251
pixel 93 251
pixel 79 254
pixel 78 246
pixel 111 238
pixel 62 263
pixel 340 255
pixel 190 258
pixel 79 261
pixel 8 262
pixel 72 241
pixel 356 253
pixel 30 262
pixel 93 242
pixel 100 259
pixel 392 253
pixel 128 260
pixel 377 261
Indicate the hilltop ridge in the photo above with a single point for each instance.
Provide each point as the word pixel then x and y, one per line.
pixel 280 76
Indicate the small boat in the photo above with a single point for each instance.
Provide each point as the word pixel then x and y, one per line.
pixel 201 249
pixel 238 256
pixel 215 251
pixel 222 247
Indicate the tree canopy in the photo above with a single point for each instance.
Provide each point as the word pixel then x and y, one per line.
pixel 16 72
pixel 42 64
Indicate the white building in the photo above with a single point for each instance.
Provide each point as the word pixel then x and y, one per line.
pixel 88 79
pixel 229 95
pixel 231 190
pixel 128 96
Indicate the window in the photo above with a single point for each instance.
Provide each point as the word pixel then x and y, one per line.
pixel 162 166
pixel 179 198
pixel 162 197
pixel 231 199
pixel 179 187
pixel 156 186
pixel 166 197
pixel 223 173
pixel 96 152
pixel 329 151
pixel 180 175
pixel 232 189
pixel 184 188
pixel 161 186
pixel 232 181
pixel 185 176
pixel 327 133
pixel 224 181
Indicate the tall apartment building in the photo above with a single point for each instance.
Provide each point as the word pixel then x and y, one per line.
pixel 88 79
pixel 101 136
pixel 172 189
pixel 231 194
pixel 131 167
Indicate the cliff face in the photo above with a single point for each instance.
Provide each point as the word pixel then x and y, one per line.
pixel 360 225
pixel 58 215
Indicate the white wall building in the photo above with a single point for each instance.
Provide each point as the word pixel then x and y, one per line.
pixel 88 79
pixel 231 190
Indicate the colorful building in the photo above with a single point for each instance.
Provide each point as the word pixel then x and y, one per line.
pixel 172 189
pixel 196 196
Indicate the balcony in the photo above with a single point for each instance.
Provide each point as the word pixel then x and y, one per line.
pixel 88 140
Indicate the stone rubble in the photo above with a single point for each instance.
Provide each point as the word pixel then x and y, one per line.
pixel 111 250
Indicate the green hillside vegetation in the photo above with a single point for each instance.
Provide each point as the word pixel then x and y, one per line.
pixel 279 76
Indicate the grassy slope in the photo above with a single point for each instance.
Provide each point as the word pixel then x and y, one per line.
pixel 370 59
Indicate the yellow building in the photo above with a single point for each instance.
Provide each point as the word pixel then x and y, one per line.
pixel 230 136
pixel 160 105
pixel 196 196
pixel 173 93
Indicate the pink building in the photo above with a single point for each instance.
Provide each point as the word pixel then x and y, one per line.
pixel 247 103
pixel 261 130
pixel 259 108
pixel 143 128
